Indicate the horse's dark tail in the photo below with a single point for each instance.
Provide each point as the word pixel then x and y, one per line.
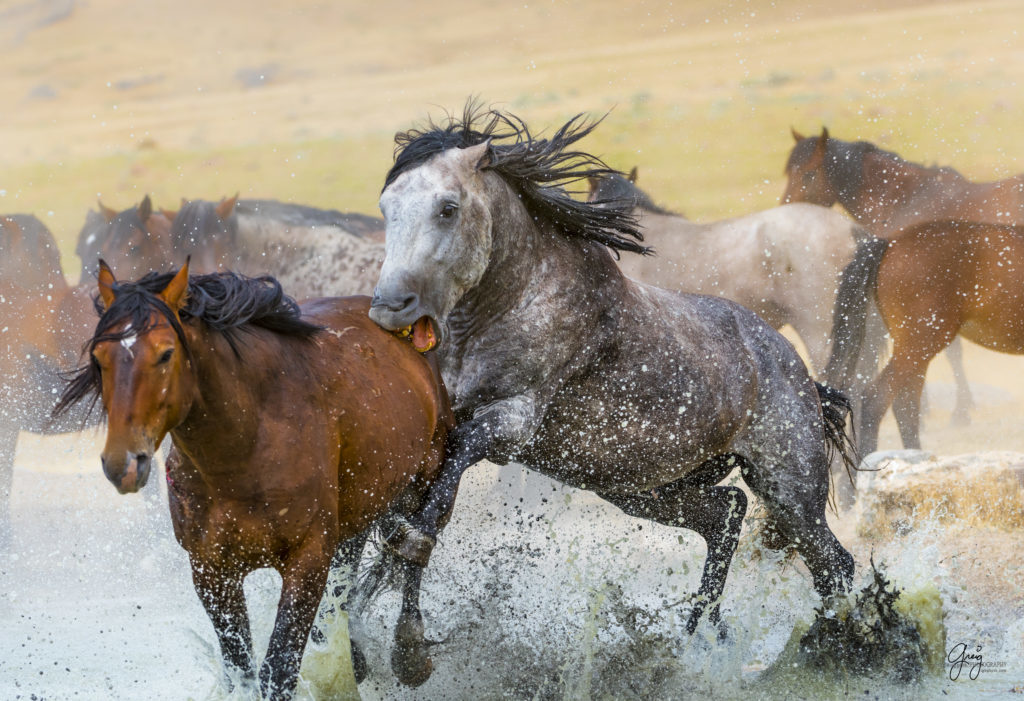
pixel 835 408
pixel 849 318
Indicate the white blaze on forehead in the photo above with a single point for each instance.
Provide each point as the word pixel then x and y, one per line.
pixel 128 342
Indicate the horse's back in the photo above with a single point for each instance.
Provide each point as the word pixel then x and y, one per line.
pixel 385 359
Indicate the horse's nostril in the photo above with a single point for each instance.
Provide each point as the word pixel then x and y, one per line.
pixel 395 304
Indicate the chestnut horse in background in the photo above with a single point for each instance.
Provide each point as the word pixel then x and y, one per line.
pixel 293 433
pixel 931 282
pixel 888 195
pixel 31 287
pixel 136 240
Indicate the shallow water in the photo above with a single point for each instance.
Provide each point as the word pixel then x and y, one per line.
pixel 535 590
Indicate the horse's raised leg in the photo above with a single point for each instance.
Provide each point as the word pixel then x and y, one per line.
pixel 346 560
pixel 409 659
pixel 303 579
pixel 716 513
pixel 467 445
pixel 222 596
pixel 964 399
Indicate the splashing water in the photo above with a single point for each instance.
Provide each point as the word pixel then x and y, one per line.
pixel 550 594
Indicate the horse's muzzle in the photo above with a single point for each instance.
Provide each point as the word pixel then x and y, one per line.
pixel 129 475
pixel 394 313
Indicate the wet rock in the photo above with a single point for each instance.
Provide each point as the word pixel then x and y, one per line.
pixel 978 489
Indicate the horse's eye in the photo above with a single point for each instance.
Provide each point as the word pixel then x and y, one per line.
pixel 165 356
pixel 448 210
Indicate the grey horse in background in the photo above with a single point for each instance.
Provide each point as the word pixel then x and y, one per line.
pixel 312 252
pixel 556 360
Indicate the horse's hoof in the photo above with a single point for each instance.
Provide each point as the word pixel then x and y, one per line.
pixel 410 543
pixel 409 659
pixel 411 664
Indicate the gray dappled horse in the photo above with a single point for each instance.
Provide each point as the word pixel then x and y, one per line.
pixel 784 263
pixel 312 252
pixel 555 359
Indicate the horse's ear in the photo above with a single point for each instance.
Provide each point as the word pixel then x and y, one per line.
pixel 797 136
pixel 106 282
pixel 821 145
pixel 145 208
pixel 632 175
pixel 106 211
pixel 13 227
pixel 176 292
pixel 226 207
pixel 479 155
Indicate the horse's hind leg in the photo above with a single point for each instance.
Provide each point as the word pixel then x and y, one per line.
pixel 346 562
pixel 716 513
pixel 795 498
pixel 964 399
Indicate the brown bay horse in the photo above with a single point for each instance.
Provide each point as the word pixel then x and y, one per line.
pixel 931 282
pixel 293 433
pixel 888 195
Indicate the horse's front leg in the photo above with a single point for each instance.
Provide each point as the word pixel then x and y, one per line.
pixel 303 579
pixel 221 594
pixel 409 659
pixel 496 433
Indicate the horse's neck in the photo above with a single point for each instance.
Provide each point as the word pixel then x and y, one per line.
pixel 226 391
pixel 534 272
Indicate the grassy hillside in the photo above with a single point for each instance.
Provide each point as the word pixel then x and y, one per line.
pixel 300 100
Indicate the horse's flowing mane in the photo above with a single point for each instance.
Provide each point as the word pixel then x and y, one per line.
pixel 538 169
pixel 228 303
pixel 844 163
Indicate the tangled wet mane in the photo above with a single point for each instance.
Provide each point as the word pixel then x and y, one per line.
pixel 844 164
pixel 538 169
pixel 227 303
pixel 197 221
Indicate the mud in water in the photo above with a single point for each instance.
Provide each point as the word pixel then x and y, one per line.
pixel 535 591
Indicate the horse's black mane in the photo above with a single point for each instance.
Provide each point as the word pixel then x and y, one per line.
pixel 226 302
pixel 844 163
pixel 199 218
pixel 538 169
pixel 616 189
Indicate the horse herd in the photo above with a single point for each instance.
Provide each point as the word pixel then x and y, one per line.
pixel 509 321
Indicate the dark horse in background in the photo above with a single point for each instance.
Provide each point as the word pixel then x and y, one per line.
pixel 292 435
pixel 888 195
pixel 556 360
pixel 932 282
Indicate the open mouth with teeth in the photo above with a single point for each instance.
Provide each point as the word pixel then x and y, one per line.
pixel 421 333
